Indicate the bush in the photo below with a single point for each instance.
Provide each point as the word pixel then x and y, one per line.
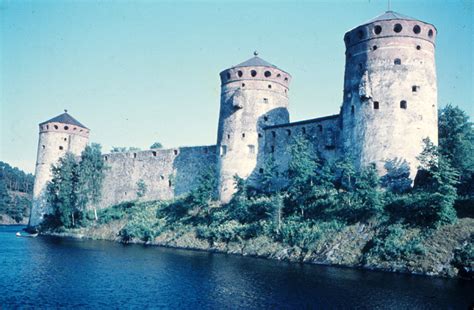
pixel 306 234
pixel 393 243
pixel 464 259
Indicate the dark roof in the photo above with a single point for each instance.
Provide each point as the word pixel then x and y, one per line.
pixel 308 121
pixel 64 118
pixel 255 62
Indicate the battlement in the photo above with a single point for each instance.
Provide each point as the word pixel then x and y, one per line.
pixel 159 153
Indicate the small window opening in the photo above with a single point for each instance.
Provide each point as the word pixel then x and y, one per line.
pixel 269 86
pixel 228 75
pixel 403 104
pixel 43 147
pixel 397 28
pixel 154 153
pixel 65 139
pixel 374 47
pixel 303 130
pixel 265 118
pixel 66 127
pixel 360 66
pixel 162 177
pixel 430 33
pixel 288 132
pixel 377 29
pixel 61 148
pixel 320 128
pixel 416 29
pixel 286 78
pixel 265 100
pixel 251 149
pixel 273 134
pixel 253 73
pixel 134 155
pixel 418 47
pixel 239 73
pixel 278 75
pixel 376 105
pixel 74 128
pixel 170 183
pixel 228 136
pixel 47 126
pixel 414 88
pixel 175 152
pixel 259 135
pixel 352 109
pixel 243 135
pixel 105 158
pixel 243 84
pixel 55 126
pixel 268 74
pixel 260 170
pixel 397 61
pixel 273 149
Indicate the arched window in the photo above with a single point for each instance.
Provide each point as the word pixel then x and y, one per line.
pixel 376 105
pixel 397 61
pixel 403 104
pixel 430 33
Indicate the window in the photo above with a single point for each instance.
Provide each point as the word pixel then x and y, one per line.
pixel 403 104
pixel 265 118
pixel 228 136
pixel 265 100
pixel 65 139
pixel 303 130
pixel 66 127
pixel 376 105
pixel 47 126
pixel 288 132
pixel 253 73
pixel 239 73
pixel 134 155
pixel 414 88
pixel 320 128
pixel 175 152
pixel 243 135
pixel 418 47
pixel 170 183
pixel 374 47
pixel 430 33
pixel 270 86
pixel 273 149
pixel 223 150
pixel 268 74
pixel 416 29
pixel 105 158
pixel 377 29
pixel 397 61
pixel 286 79
pixel 43 147
pixel 352 109
pixel 259 135
pixel 278 75
pixel 260 170
pixel 55 126
pixel 251 149
pixel 243 84
pixel 154 153
pixel 61 148
pixel 397 28
pixel 273 134
pixel 162 177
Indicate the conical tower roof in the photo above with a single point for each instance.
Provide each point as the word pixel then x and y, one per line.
pixel 65 118
pixel 390 15
pixel 255 62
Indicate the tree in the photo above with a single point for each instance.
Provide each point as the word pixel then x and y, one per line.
pixel 456 143
pixel 367 193
pixel 269 176
pixel 301 173
pixel 156 145
pixel 61 191
pixel 90 178
pixel 141 188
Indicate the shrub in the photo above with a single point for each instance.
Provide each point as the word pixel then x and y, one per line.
pixel 306 234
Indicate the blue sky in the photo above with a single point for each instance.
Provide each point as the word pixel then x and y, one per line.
pixel 144 71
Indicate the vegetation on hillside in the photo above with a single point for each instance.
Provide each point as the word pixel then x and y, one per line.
pixel 16 188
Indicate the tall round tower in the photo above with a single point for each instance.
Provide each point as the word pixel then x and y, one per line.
pixel 57 136
pixel 254 94
pixel 390 92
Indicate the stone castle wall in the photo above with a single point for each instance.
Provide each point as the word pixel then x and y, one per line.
pixel 167 173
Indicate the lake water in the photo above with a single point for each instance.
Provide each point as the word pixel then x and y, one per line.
pixel 49 272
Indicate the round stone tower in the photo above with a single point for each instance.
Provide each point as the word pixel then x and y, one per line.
pixel 254 94
pixel 390 92
pixel 57 136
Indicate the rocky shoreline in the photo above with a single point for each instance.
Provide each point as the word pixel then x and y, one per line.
pixel 344 249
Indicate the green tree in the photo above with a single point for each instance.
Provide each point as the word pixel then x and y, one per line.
pixel 301 173
pixel 90 178
pixel 156 145
pixel 141 188
pixel 456 143
pixel 268 179
pixel 367 191
pixel 61 191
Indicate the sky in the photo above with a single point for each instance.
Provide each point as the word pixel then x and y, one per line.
pixel 136 72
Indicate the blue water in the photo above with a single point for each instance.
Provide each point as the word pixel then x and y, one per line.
pixel 48 272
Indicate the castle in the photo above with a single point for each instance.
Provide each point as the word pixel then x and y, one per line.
pixel 389 106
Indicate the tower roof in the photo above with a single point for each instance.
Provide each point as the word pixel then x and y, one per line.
pixel 255 62
pixel 65 118
pixel 391 15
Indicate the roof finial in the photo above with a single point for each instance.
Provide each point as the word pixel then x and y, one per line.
pixel 255 53
pixel 65 110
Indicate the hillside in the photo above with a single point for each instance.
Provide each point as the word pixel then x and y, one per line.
pixel 16 189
